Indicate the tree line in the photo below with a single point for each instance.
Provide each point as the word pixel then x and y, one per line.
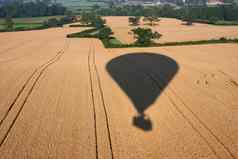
pixel 20 8
pixel 143 36
pixel 189 10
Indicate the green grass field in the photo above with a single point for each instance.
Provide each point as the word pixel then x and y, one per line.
pixel 30 20
pixel 83 4
pixel 23 26
pixel 27 23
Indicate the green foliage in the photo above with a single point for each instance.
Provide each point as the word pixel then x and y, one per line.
pixel 112 42
pixel 79 25
pixel 156 35
pixel 24 27
pixel 135 20
pixel 68 13
pixel 89 33
pixel 108 44
pixel 98 22
pixel 159 11
pixel 85 4
pixel 85 18
pixel 92 19
pixel 213 20
pixel 67 20
pixel 105 33
pixel 144 36
pixel 9 23
pixel 30 20
pixel 188 13
pixel 43 23
pixel 220 22
pixel 20 8
pixel 53 22
pixel 95 7
pixel 151 19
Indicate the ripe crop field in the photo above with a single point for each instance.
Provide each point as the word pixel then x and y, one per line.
pixel 173 30
pixel 72 98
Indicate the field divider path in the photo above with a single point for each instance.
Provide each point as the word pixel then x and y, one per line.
pixel 18 103
pixel 219 149
pixel 102 125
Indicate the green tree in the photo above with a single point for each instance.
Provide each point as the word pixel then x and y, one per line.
pixel 151 19
pixel 52 22
pixel 134 20
pixel 98 22
pixel 66 20
pixel 30 8
pixel 95 7
pixel 68 13
pixel 105 33
pixel 85 18
pixel 91 18
pixel 188 15
pixel 144 36
pixel 9 23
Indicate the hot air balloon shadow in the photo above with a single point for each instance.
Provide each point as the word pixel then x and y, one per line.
pixel 143 77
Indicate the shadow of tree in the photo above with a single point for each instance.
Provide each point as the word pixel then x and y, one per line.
pixel 143 77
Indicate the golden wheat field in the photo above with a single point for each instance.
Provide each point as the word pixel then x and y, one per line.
pixel 73 99
pixel 172 30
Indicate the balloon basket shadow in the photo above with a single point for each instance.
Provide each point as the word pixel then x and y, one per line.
pixel 142 122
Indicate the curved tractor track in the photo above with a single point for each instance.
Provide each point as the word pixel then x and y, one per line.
pixel 25 92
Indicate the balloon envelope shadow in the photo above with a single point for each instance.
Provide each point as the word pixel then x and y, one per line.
pixel 143 77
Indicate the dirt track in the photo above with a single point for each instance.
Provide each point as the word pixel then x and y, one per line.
pixel 71 98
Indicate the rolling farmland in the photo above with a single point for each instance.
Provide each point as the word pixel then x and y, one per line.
pixel 72 98
pixel 172 30
pixel 83 4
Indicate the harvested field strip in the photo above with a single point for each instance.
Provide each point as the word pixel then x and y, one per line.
pixel 33 79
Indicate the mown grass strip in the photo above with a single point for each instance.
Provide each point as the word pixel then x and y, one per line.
pixel 23 27
pixel 80 25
